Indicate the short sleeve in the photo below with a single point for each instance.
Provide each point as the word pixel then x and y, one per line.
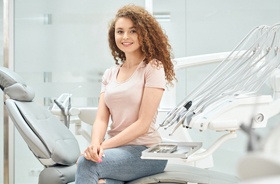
pixel 154 75
pixel 105 79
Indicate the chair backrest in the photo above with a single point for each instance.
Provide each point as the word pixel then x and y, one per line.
pixel 50 140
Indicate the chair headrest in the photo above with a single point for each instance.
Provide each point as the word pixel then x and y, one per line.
pixel 14 86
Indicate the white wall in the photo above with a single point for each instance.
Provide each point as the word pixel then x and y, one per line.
pixel 72 50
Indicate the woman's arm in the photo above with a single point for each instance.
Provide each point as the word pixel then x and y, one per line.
pixel 94 152
pixel 149 106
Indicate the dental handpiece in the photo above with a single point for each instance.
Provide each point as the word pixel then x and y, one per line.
pixel 178 124
pixel 175 114
pixel 170 116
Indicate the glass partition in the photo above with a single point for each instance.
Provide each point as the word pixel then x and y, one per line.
pixel 61 47
pixel 1 99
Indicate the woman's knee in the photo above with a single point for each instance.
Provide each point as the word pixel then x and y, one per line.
pixel 84 164
pixel 86 172
pixel 81 160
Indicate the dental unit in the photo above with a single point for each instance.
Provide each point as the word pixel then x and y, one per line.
pixel 227 100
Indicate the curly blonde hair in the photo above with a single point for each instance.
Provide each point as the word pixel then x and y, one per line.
pixel 154 42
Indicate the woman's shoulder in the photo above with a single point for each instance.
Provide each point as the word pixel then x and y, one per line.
pixel 109 72
pixel 154 74
pixel 153 69
pixel 112 69
pixel 154 64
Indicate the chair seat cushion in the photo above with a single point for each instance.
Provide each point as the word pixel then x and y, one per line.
pixel 177 173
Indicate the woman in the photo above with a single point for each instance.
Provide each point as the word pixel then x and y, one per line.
pixel 130 95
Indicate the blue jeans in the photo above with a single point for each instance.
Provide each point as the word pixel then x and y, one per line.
pixel 118 166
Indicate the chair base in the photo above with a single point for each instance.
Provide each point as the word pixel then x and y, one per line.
pixel 58 175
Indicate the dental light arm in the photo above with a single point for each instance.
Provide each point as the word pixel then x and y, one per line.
pixel 228 97
pixel 235 82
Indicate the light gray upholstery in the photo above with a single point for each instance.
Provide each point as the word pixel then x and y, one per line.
pixel 49 139
pixel 58 174
pixel 175 173
pixel 14 86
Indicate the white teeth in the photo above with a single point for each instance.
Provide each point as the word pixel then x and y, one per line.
pixel 126 43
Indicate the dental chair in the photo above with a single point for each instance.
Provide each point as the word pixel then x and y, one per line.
pixel 228 98
pixel 57 149
pixel 50 141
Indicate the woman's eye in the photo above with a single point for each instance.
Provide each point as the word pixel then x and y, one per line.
pixel 133 31
pixel 119 31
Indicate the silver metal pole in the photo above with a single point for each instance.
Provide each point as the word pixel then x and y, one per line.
pixel 8 52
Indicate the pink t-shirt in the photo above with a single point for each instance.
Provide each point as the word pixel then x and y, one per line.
pixel 123 99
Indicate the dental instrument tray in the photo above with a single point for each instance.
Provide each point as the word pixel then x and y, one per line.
pixel 171 150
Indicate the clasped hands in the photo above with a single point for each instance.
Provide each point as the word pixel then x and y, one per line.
pixel 94 153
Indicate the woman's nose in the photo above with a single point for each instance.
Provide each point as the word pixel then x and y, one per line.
pixel 125 35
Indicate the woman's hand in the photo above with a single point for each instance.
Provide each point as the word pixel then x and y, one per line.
pixel 94 152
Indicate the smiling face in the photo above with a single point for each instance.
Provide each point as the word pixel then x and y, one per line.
pixel 126 36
